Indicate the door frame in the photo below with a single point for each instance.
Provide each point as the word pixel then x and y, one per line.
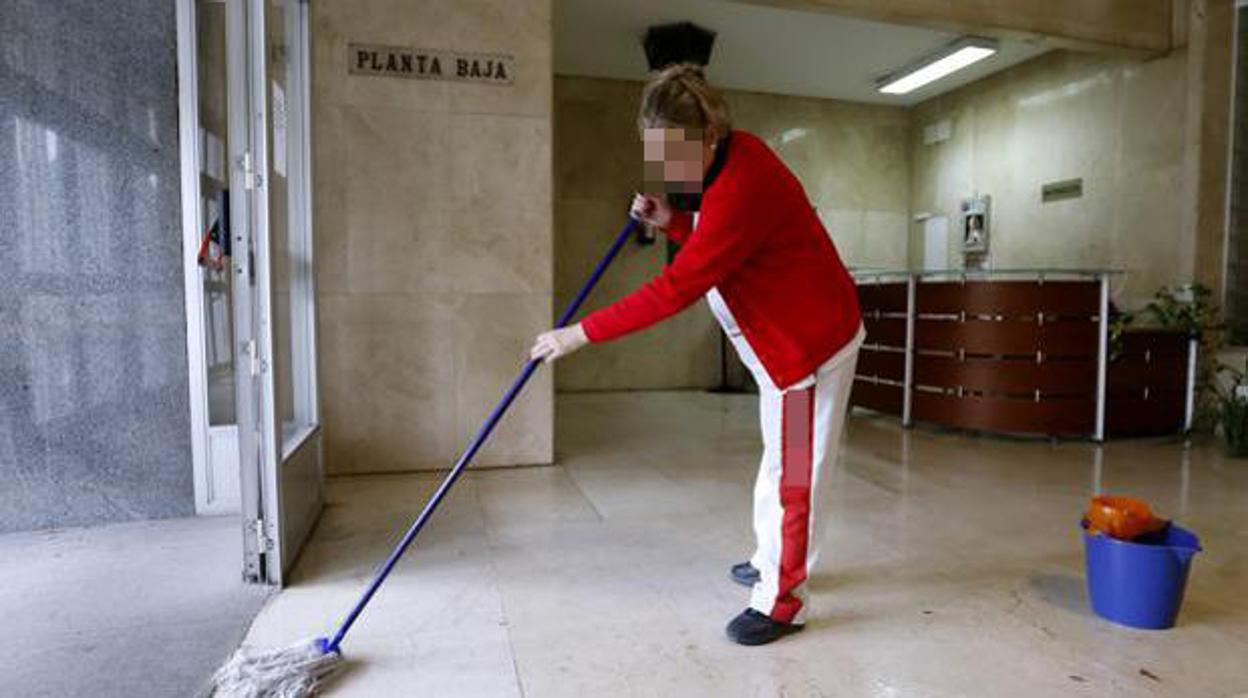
pixel 280 484
pixel 301 213
pixel 290 474
pixel 209 501
pixel 196 350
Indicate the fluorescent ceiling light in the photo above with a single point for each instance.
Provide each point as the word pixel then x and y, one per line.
pixel 951 59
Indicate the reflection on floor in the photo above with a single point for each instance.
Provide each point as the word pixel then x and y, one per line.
pixel 138 610
pixel 953 568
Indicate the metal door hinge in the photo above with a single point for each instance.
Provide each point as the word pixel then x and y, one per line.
pixel 253 356
pixel 251 178
pixel 264 542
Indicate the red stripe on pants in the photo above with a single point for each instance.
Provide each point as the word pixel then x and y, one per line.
pixel 796 463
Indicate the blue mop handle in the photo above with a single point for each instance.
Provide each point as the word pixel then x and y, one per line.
pixel 529 368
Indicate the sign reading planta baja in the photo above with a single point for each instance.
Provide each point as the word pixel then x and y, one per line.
pixel 421 64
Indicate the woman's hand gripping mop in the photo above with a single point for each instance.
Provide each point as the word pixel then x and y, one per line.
pixel 300 669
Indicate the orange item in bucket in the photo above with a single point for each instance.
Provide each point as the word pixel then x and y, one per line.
pixel 1120 517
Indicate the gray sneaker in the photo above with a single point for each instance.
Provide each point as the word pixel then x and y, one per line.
pixel 754 628
pixel 744 574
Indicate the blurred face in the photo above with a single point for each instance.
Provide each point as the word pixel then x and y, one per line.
pixel 675 159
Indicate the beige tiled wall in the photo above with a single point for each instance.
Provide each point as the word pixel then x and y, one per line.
pixel 852 158
pixel 1118 124
pixel 434 236
pixel 438 248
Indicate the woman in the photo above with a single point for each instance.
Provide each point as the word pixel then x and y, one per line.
pixel 752 245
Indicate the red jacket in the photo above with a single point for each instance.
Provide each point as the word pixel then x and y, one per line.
pixel 759 241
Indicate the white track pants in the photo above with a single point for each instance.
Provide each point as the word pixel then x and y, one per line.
pixel 802 428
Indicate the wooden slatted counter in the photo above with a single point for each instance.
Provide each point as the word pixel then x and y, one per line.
pixel 1023 352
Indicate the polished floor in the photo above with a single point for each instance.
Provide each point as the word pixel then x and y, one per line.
pixel 136 610
pixel 953 568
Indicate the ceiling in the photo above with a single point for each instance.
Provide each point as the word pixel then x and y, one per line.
pixel 763 48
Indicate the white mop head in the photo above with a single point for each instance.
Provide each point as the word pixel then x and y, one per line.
pixel 296 671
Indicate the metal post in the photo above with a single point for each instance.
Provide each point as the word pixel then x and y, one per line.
pixel 1098 470
pixel 1189 409
pixel 908 382
pixel 1102 356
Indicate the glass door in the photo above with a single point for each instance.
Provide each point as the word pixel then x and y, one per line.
pixel 218 486
pixel 247 227
pixel 289 475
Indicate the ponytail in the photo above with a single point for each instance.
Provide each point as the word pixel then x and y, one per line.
pixel 680 97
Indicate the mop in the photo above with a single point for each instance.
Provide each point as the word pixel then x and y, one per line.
pixel 301 669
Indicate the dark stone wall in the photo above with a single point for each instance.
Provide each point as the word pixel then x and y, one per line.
pixel 94 422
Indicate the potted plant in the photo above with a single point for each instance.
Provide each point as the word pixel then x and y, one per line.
pixel 1119 321
pixel 1188 308
pixel 1232 406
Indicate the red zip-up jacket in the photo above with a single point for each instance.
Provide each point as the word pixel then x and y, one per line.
pixel 759 241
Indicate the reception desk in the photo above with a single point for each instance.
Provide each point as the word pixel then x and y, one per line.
pixel 1016 351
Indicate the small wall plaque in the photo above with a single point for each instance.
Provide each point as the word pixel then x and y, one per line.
pixel 424 64
pixel 1065 189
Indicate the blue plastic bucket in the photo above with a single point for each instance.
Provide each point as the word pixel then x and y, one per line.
pixel 1139 583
